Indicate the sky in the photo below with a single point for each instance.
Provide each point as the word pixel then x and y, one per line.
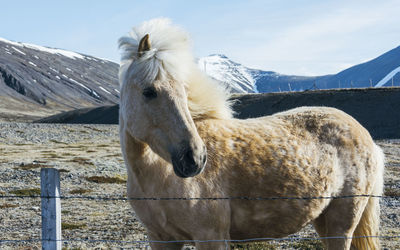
pixel 299 37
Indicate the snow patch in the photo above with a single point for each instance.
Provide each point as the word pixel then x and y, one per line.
pixel 31 63
pixel 388 77
pixel 116 90
pixel 70 54
pixel 54 70
pixel 19 51
pixel 105 90
pixel 80 84
pixel 58 77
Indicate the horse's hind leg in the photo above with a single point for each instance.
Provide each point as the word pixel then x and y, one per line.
pixel 339 220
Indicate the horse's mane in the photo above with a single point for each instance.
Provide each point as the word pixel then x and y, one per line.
pixel 170 56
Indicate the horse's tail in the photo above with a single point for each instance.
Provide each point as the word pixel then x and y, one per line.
pixel 369 222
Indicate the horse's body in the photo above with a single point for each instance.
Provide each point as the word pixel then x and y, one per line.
pixel 304 152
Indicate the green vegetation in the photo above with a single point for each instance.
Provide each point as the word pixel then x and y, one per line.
pixel 392 192
pixel 30 166
pixel 8 205
pixel 106 179
pixel 307 245
pixel 254 246
pixel 82 160
pixel 26 192
pixel 80 191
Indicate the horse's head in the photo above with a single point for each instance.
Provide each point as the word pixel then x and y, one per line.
pixel 155 111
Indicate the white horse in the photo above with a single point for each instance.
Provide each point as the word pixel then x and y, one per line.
pixel 179 139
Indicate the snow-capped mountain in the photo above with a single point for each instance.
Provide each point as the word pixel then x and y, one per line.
pixel 242 79
pixel 40 79
pixel 232 75
pixel 381 71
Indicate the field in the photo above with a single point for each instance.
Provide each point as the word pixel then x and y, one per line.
pixel 90 162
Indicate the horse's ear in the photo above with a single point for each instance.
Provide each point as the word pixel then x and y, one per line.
pixel 144 45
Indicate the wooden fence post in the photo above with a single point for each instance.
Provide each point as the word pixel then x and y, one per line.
pixel 51 208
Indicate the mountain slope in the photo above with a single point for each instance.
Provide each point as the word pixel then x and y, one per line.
pixel 366 74
pixel 377 72
pixel 36 80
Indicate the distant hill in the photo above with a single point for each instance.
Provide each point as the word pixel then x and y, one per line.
pixel 36 80
pixel 367 74
pixel 241 79
pixel 375 108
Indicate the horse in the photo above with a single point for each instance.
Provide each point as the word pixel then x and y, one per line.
pixel 180 140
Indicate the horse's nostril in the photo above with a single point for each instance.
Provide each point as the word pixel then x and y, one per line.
pixel 189 157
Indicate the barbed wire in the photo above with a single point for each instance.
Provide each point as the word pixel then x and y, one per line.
pixel 204 241
pixel 122 198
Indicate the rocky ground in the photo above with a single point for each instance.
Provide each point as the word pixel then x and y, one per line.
pixel 90 162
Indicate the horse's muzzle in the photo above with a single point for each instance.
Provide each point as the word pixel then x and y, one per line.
pixel 187 164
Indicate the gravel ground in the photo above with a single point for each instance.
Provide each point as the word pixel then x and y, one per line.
pixel 84 151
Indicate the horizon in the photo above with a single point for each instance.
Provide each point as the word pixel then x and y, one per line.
pixel 296 38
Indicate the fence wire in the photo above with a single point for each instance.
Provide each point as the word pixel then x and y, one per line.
pixel 122 198
pixel 147 242
pixel 141 242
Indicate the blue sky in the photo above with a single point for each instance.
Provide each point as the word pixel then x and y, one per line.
pixel 305 37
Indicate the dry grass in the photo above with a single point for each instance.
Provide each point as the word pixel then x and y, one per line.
pixel 254 246
pixel 71 226
pixel 307 245
pixel 392 192
pixel 8 205
pixel 80 191
pixel 106 179
pixel 82 160
pixel 30 166
pixel 26 192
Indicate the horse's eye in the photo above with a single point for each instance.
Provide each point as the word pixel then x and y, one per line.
pixel 150 93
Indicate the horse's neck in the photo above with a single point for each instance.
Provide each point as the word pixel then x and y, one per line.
pixel 144 166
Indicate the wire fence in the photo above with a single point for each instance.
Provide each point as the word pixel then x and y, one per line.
pixel 226 241
pixel 121 198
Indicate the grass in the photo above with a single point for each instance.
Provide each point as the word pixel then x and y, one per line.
pixel 30 166
pixel 57 142
pixel 105 179
pixel 307 245
pixel 254 246
pixel 26 192
pixel 71 226
pixel 80 191
pixel 392 192
pixel 8 205
pixel 82 160
pixel 51 155
pixel 94 129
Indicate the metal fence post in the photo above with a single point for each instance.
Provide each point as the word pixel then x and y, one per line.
pixel 51 208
